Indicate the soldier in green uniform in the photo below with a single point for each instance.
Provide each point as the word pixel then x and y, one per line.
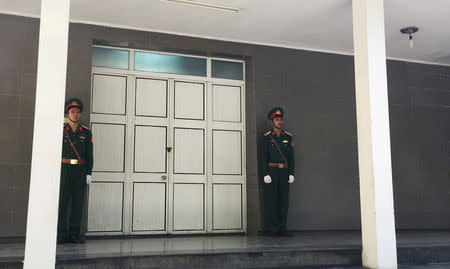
pixel 76 168
pixel 278 166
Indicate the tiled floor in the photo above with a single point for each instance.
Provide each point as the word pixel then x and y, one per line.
pixel 331 240
pixel 196 245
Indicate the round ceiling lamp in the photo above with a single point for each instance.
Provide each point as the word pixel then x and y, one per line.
pixel 409 31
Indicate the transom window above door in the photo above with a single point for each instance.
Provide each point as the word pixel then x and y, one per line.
pixel 167 63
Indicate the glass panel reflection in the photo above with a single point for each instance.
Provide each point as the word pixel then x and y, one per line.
pixel 227 70
pixel 110 58
pixel 172 64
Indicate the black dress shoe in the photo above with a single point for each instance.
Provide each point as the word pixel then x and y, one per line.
pixel 77 239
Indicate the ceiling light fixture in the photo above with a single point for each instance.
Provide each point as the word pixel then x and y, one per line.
pixel 409 31
pixel 205 5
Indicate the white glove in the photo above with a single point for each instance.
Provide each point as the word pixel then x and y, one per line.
pixel 267 179
pixel 88 179
pixel 291 179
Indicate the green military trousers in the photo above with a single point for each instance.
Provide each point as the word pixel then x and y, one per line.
pixel 276 196
pixel 73 185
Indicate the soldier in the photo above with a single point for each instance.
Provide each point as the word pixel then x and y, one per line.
pixel 277 162
pixel 76 169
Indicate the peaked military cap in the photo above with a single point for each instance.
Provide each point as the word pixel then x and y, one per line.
pixel 73 102
pixel 275 112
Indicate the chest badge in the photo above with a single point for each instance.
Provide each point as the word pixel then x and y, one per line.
pixel 83 137
pixel 285 141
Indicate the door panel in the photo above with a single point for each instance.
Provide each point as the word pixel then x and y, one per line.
pixel 226 103
pixel 189 148
pixel 227 206
pixel 189 100
pixel 149 176
pixel 105 207
pixel 149 206
pixel 109 147
pixel 109 94
pixel 187 175
pixel 188 207
pixel 151 97
pixel 227 156
pixel 150 149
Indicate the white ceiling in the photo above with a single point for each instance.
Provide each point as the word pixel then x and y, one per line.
pixel 321 25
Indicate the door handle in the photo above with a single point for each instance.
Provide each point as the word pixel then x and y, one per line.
pixel 163 177
pixel 168 149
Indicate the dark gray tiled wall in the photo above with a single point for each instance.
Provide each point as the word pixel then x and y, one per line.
pixel 317 92
pixel 18 64
pixel 420 131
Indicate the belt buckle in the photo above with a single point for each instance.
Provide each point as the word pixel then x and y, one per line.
pixel 73 161
pixel 280 165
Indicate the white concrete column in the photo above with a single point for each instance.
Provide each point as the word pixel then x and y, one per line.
pixel 374 149
pixel 40 247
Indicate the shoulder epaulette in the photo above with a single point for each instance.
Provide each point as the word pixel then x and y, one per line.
pixel 267 133
pixel 289 134
pixel 85 127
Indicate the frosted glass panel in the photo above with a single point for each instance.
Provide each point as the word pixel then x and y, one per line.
pixel 172 64
pixel 110 58
pixel 228 70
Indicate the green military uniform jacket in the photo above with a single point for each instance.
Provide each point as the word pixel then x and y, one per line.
pixel 82 141
pixel 270 153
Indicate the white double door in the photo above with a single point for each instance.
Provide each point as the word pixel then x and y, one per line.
pixel 168 156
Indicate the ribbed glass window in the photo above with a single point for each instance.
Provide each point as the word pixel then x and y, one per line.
pixel 110 58
pixel 227 70
pixel 172 64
